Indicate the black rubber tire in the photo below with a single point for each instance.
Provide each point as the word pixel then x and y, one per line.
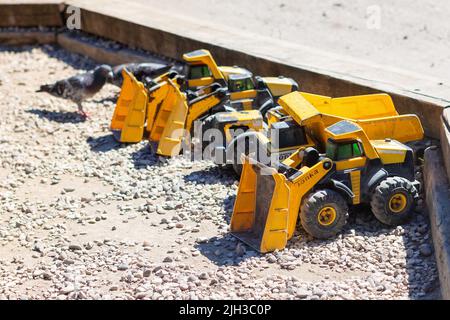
pixel 266 106
pixel 313 204
pixel 206 125
pixel 382 195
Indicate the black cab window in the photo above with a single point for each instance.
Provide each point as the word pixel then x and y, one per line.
pixel 357 152
pixel 197 72
pixel 331 150
pixel 343 151
pixel 249 84
pixel 241 85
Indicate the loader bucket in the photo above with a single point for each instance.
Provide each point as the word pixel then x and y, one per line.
pixel 267 205
pixel 170 123
pixel 125 98
pixel 260 217
pixel 129 115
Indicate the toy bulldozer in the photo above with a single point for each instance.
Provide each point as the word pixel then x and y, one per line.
pixel 357 164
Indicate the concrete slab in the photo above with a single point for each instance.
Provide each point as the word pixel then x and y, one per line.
pixel 437 191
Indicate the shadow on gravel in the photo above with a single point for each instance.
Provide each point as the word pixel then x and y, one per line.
pixel 58 116
pixel 423 279
pixel 420 264
pixel 16 49
pixel 103 144
pixel 144 157
pixel 211 175
pixel 226 251
pixel 75 60
pixel 109 99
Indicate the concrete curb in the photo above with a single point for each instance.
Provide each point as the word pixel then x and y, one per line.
pixel 437 192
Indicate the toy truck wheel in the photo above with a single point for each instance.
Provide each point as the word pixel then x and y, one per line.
pixel 393 201
pixel 266 107
pixel 323 213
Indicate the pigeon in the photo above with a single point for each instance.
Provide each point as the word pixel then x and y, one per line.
pixel 139 70
pixel 80 87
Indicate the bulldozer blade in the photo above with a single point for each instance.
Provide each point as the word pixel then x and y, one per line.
pixel 260 216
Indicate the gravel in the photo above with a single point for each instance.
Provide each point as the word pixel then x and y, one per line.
pixel 58 174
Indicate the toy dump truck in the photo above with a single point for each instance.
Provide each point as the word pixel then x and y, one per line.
pixel 139 103
pixel 353 162
pixel 300 119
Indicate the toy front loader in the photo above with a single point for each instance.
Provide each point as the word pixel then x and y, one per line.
pixel 268 202
pixel 201 75
pixel 136 103
pixel 175 118
pixel 203 70
pixel 355 169
pixel 163 112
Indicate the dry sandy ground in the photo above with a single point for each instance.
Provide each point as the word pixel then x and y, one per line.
pixel 413 34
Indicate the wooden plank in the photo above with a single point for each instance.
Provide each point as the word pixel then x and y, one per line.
pixel 27 38
pixel 19 14
pixel 101 54
pixel 446 115
pixel 437 191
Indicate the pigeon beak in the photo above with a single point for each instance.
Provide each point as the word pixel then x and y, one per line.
pixel 110 76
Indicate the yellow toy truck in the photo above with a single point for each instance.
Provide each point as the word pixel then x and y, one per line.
pixel 173 96
pixel 352 162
